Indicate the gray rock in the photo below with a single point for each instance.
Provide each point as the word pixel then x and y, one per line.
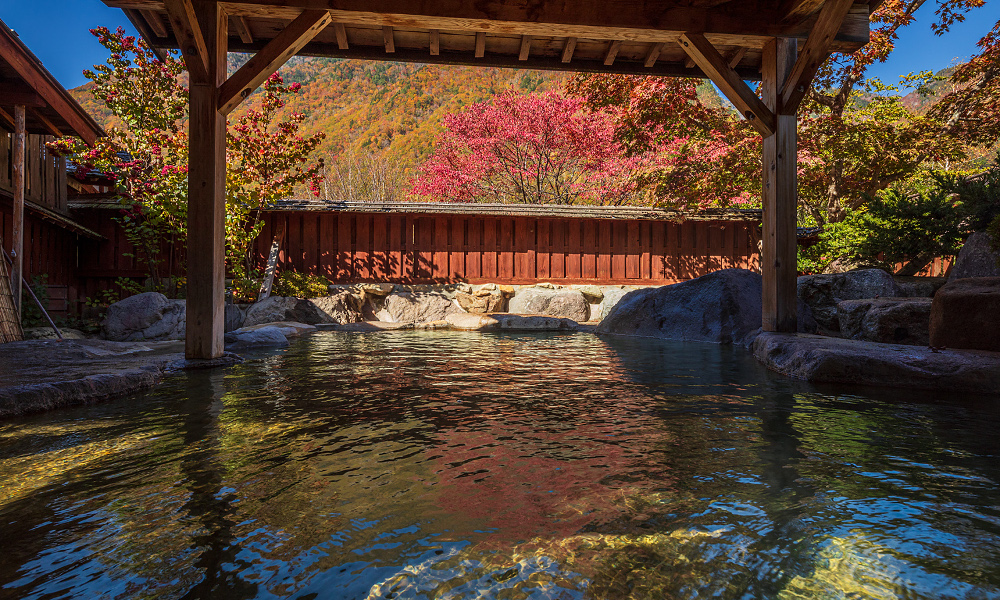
pixel 558 303
pixel 263 337
pixel 611 298
pixel 287 328
pixel 887 320
pixel 592 293
pixel 234 317
pixel 340 308
pixel 278 308
pixel 416 307
pixel 976 259
pixel 147 316
pixel 509 322
pixel 823 359
pixel 723 307
pixel 823 292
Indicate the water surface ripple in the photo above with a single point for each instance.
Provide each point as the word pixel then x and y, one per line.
pixel 460 466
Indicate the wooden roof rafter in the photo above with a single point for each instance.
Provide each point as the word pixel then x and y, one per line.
pixel 616 36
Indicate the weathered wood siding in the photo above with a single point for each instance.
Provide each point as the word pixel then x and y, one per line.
pixel 44 174
pixel 349 247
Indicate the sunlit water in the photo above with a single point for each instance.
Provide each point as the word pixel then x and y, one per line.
pixel 448 465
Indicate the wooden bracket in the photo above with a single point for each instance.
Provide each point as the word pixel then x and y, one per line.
pixel 815 51
pixel 708 59
pixel 568 49
pixel 241 28
pixel 613 48
pixel 435 42
pixel 189 37
pixel 284 45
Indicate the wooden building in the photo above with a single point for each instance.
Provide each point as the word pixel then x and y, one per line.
pixel 36 227
pixel 780 42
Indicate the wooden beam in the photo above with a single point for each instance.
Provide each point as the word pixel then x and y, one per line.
pixel 285 45
pixel 435 42
pixel 568 49
pixel 390 43
pixel 7 118
pixel 739 93
pixel 17 182
pixel 341 33
pixel 480 44
pixel 653 55
pixel 535 61
pixel 814 53
pixel 613 48
pixel 736 56
pixel 14 94
pixel 49 125
pixel 155 23
pixel 778 252
pixel 242 29
pixel 181 14
pixel 525 47
pixel 206 246
pixel 731 24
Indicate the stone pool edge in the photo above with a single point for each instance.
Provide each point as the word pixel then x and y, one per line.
pixel 820 359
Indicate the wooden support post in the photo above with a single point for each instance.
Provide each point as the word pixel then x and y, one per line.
pixel 17 243
pixel 207 193
pixel 780 190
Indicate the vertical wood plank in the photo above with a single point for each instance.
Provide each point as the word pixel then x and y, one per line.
pixel 588 261
pixel 474 253
pixel 619 248
pixel 310 242
pixel 557 258
pixel 574 250
pixel 380 250
pixel 544 249
pixel 632 253
pixel 604 250
pixel 506 262
pixel 439 272
pixel 394 256
pixel 345 254
pixel 490 248
pixel 425 247
pixel 456 249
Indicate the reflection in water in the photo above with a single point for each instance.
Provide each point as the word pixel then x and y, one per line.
pixel 444 465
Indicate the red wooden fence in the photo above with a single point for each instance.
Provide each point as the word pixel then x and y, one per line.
pixel 349 247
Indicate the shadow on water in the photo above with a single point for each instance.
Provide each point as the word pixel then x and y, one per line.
pixel 444 465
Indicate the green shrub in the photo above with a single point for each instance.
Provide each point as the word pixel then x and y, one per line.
pixel 300 285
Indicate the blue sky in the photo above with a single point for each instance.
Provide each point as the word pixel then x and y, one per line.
pixel 57 32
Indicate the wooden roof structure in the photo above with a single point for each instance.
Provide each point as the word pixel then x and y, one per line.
pixel 782 43
pixel 50 110
pixel 615 36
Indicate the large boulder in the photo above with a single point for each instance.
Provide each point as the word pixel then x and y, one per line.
pixel 416 307
pixel 341 308
pixel 966 314
pixel 147 316
pixel 279 308
pixel 566 303
pixel 887 320
pixel 723 307
pixel 976 259
pixel 823 292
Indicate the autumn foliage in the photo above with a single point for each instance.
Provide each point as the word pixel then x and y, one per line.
pixel 532 148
